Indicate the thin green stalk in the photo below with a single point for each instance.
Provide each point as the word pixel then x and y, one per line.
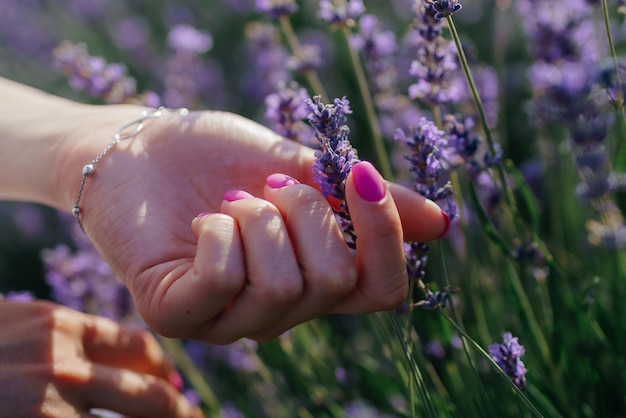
pixel 501 372
pixel 470 361
pixel 619 100
pixel 294 44
pixel 370 111
pixel 180 356
pixel 415 371
pixel 480 108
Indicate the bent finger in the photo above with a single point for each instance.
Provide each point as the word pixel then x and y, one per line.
pixel 133 394
pixel 382 282
pixel 206 284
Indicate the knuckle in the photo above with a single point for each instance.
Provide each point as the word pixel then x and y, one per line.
pixel 281 289
pixel 335 280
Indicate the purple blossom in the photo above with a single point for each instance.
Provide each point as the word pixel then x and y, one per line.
pixel 93 74
pixel 335 158
pixel 445 8
pixel 341 11
pixel 425 143
pixel 435 59
pixel 377 48
pixel 286 109
pixel 307 58
pixel 186 38
pixel 508 356
pixel 21 296
pixel 82 280
pixel 275 9
pixel 267 66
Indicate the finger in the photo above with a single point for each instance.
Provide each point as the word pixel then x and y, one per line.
pixel 422 219
pixel 327 266
pixel 383 282
pixel 132 394
pixel 214 277
pixel 111 344
pixel 274 282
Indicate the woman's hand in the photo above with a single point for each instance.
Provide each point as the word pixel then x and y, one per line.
pixel 255 266
pixel 56 362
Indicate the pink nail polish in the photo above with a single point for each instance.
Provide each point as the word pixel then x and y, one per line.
pixel 176 380
pixel 200 215
pixel 278 180
pixel 368 182
pixel 233 195
pixel 446 219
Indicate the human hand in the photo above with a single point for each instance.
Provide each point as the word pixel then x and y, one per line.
pixel 60 363
pixel 255 267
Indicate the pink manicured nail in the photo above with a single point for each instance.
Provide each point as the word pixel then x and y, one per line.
pixel 200 215
pixel 446 219
pixel 176 380
pixel 277 180
pixel 368 182
pixel 233 195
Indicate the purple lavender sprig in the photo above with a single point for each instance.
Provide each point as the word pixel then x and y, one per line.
pixel 82 280
pixel 426 144
pixel 286 109
pixel 341 11
pixel 335 158
pixel 95 76
pixel 275 9
pixel 508 356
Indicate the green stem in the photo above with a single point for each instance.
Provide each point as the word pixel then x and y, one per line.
pixel 294 44
pixel 479 106
pixel 176 349
pixel 619 105
pixel 501 372
pixel 370 111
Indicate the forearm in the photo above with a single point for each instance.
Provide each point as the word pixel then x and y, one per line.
pixel 40 136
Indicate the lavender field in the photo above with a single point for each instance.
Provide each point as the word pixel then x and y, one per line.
pixel 508 114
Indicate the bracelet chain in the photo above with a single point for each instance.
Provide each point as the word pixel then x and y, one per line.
pixel 128 131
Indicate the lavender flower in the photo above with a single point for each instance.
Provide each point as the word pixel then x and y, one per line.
pixel 307 58
pixel 275 9
pixel 426 142
pixel 189 78
pixel 286 110
pixel 435 58
pixel 508 356
pixel 186 38
pixel 93 74
pixel 83 281
pixel 336 156
pixel 22 296
pixel 445 8
pixel 268 62
pixel 341 11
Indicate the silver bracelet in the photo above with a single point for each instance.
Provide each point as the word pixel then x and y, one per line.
pixel 122 134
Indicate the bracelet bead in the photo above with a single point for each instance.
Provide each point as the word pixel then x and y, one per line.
pixel 124 133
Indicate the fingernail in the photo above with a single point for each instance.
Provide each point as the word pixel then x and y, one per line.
pixel 233 195
pixel 176 380
pixel 278 180
pixel 368 182
pixel 200 215
pixel 446 219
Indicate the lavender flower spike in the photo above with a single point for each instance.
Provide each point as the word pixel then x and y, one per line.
pixel 336 156
pixel 445 8
pixel 275 9
pixel 508 356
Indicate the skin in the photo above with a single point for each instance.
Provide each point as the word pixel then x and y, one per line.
pixel 56 362
pixel 252 267
pixel 255 267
